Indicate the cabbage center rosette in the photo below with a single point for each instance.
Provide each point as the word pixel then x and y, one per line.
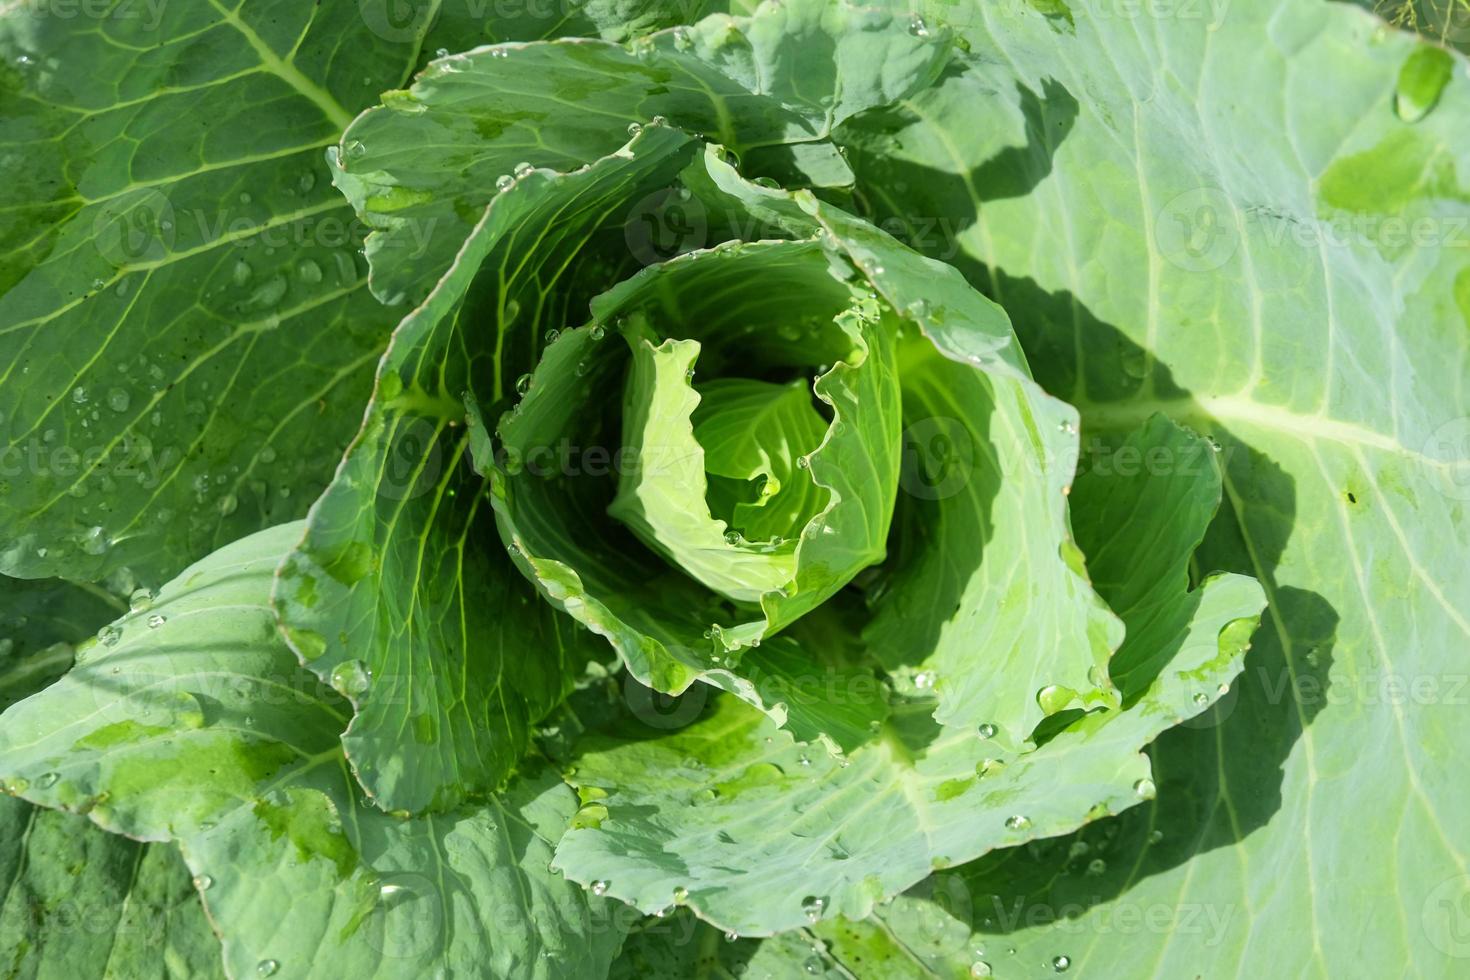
pixel 754 492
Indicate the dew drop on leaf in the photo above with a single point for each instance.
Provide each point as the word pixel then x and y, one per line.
pixel 987 730
pixel 203 882
pixel 351 678
pixel 109 635
pixel 156 621
pixel 95 541
pixel 1018 822
pixel 267 968
pixel 599 888
pixel 1144 788
pixel 813 907
pixel 48 780
pixel 979 968
pixel 504 182
pixel 1061 964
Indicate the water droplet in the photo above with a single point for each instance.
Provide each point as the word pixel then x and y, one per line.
pixel 1061 964
pixel 987 766
pixel 48 780
pixel 95 541
pixel 267 968
pixel 803 761
pixel 550 336
pixel 979 968
pixel 681 895
pixel 812 907
pixel 597 332
pixel 1096 867
pixel 228 504
pixel 309 271
pixel 1155 836
pixel 79 395
pixel 523 384
pixel 769 183
pixel 504 182
pixel 599 888
pixel 682 39
pixel 732 538
pixel 307 181
pixel 802 462
pixel 156 621
pixel 1067 426
pixel 109 635
pixel 523 169
pixel 1421 80
pixel 731 936
pixel 1018 822
pixel 918 308
pixel 351 678
pixel 924 680
pixel 118 399
pixel 987 730
pixel 1201 698
pixel 241 272
pixel 918 28
pixel 1054 698
pixel 1145 788
pixel 203 882
pixel 268 293
pixel 140 599
pixel 441 52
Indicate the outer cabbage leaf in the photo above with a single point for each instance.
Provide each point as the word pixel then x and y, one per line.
pixel 197 724
pixel 79 901
pixel 1304 303
pixel 763 84
pixel 186 334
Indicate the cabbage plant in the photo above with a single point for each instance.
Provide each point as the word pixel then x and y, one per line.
pixel 669 489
